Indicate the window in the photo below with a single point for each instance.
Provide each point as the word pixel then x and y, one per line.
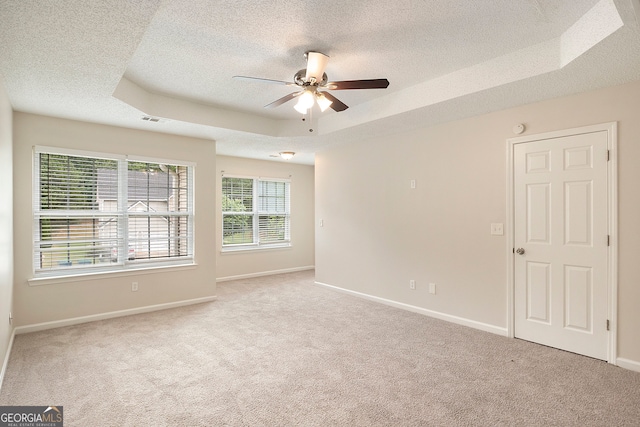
pixel 255 213
pixel 97 212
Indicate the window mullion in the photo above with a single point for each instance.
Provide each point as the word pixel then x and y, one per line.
pixel 256 214
pixel 123 217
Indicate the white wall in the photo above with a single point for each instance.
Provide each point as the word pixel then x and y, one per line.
pixel 6 223
pixel 378 233
pixel 108 293
pixel 301 254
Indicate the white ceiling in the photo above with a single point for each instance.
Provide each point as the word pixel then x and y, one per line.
pixel 115 61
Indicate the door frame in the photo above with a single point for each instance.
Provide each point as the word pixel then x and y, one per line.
pixel 612 216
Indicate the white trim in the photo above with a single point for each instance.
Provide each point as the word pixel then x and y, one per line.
pixel 250 247
pixel 255 177
pixel 110 156
pixel 77 153
pixel 6 358
pixel 160 161
pixel 510 245
pixel 631 365
pixel 101 274
pixel 265 273
pixel 612 261
pixel 612 193
pixel 109 315
pixel 435 314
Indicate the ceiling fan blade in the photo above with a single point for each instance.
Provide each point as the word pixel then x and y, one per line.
pixel 257 79
pixel 282 100
pixel 336 104
pixel 358 84
pixel 316 63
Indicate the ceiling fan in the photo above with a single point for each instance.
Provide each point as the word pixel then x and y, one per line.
pixel 313 84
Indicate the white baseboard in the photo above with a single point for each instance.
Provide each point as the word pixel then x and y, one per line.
pixel 442 316
pixel 632 365
pixel 110 315
pixel 6 358
pixel 265 273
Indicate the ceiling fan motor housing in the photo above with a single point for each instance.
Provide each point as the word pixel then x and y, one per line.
pixel 299 79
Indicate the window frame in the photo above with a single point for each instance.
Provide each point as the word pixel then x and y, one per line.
pixel 122 215
pixel 255 214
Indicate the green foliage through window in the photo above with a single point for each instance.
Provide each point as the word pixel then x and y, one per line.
pixel 245 222
pixel 86 218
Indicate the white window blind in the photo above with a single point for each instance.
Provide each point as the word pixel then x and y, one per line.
pixel 92 212
pixel 255 212
pixel 159 210
pixel 273 210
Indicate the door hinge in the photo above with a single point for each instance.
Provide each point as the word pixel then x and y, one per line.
pixel 607 324
pixel 608 240
pixel 513 250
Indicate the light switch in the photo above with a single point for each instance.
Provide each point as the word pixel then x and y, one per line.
pixel 412 183
pixel 497 229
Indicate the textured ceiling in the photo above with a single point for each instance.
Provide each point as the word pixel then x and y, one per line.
pixel 115 61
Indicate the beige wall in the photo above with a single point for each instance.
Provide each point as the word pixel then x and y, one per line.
pixel 301 254
pixel 108 293
pixel 378 233
pixel 6 223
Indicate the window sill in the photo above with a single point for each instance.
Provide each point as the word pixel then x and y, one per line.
pixel 245 249
pixel 132 271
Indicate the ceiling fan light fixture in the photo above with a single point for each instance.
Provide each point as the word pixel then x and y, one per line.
pixel 305 101
pixel 287 155
pixel 323 101
pixel 300 109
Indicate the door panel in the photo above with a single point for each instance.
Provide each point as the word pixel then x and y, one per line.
pixel 578 293
pixel 560 222
pixel 578 209
pixel 538 292
pixel 539 216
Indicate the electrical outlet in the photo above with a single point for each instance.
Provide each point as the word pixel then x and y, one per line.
pixel 134 286
pixel 412 284
pixel 432 288
pixel 412 183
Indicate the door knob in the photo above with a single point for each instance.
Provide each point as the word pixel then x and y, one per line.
pixel 520 251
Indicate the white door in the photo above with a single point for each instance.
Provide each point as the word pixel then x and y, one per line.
pixel 561 242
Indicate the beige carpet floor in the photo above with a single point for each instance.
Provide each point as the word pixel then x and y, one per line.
pixel 279 351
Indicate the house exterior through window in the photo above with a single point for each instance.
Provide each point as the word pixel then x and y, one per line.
pixel 97 212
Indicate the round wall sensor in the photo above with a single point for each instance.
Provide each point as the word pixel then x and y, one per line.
pixel 518 129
